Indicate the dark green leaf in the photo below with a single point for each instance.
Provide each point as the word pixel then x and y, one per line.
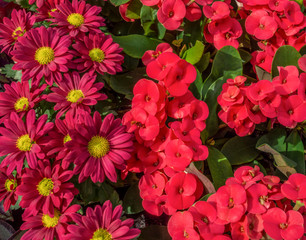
pixel 303 50
pixel 196 86
pixel 240 150
pixel 285 56
pixel 6 230
pixel 161 30
pixel 219 167
pixel 135 45
pixel 204 62
pixel 193 31
pixel 154 232
pixel 194 54
pixel 119 2
pixel 9 73
pixel 245 55
pixel 133 10
pixel 132 202
pixel 204 198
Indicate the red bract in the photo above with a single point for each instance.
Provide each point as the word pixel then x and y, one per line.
pixel 283 225
pixel 288 80
pixel 179 107
pixel 295 187
pixel 257 199
pixel 218 10
pixel 151 55
pixel 293 12
pixel 171 13
pixel 302 63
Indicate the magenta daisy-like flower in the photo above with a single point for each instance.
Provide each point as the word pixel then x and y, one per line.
pixel 97 52
pixel 12 29
pixel 21 140
pixel 102 223
pixel 98 148
pixel 45 226
pixel 18 97
pixel 76 93
pixel 8 184
pixel 45 188
pixel 77 18
pixel 49 6
pixel 42 52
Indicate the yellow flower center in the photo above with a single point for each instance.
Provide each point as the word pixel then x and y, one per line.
pixel 10 184
pixel 98 146
pixel 45 186
pixel 74 96
pixel 21 104
pixel 50 222
pixel 75 19
pixel 96 55
pixel 44 55
pixel 101 234
pixel 67 138
pixel 18 32
pixel 51 11
pixel 24 143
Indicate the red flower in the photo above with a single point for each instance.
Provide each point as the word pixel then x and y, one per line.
pixel 45 188
pixel 257 198
pixel 158 205
pixel 260 90
pixel 151 55
pixel 295 188
pixel 217 11
pixel 19 98
pixel 199 113
pixel 102 223
pixel 12 29
pixel 171 13
pixel 152 185
pixel 42 52
pixel 77 18
pixel 97 52
pixel 293 12
pixel 49 6
pixel 302 63
pixel 288 80
pixel 283 225
pixel 179 107
pixel 98 148
pixel 76 93
pixel 23 140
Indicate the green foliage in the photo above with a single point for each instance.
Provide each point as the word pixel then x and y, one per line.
pixel 133 10
pixel 118 2
pixel 285 56
pixel 132 202
pixel 240 150
pixel 193 55
pixel 9 73
pixel 219 166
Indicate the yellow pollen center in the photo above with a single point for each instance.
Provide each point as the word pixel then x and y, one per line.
pixel 75 96
pixel 44 55
pixel 101 234
pixel 45 186
pixel 75 19
pixel 50 222
pixel 21 104
pixel 51 11
pixel 67 138
pixel 10 184
pixel 18 32
pixel 98 146
pixel 24 143
pixel 96 55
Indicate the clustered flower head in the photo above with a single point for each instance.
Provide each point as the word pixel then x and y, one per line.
pixel 282 100
pixel 164 148
pixel 248 206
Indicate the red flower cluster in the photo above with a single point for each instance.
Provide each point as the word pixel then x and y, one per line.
pixel 274 23
pixel 247 206
pixel 245 106
pixel 164 147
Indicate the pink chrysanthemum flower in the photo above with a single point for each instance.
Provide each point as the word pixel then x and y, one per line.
pixel 45 188
pixel 98 148
pixel 23 140
pixel 76 93
pixel 44 226
pixel 12 29
pixel 18 97
pixel 8 184
pixel 42 52
pixel 102 223
pixel 49 6
pixel 97 52
pixel 77 18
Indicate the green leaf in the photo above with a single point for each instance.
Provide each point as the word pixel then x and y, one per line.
pixel 136 45
pixel 147 14
pixel 295 151
pixel 119 2
pixel 245 55
pixel 204 198
pixel 284 56
pixel 196 86
pixel 240 150
pixel 303 50
pixel 154 232
pixel 193 31
pixel 194 54
pixel 6 230
pixel 204 62
pixel 161 30
pixel 132 202
pixel 133 10
pixel 9 73
pixel 219 167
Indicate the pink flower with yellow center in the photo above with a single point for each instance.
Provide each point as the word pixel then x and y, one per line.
pixel 42 52
pixel 97 52
pixel 76 93
pixel 77 18
pixel 12 29
pixel 19 97
pixel 20 140
pixel 98 148
pixel 45 188
pixel 45 226
pixel 8 184
pixel 49 6
pixel 102 223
